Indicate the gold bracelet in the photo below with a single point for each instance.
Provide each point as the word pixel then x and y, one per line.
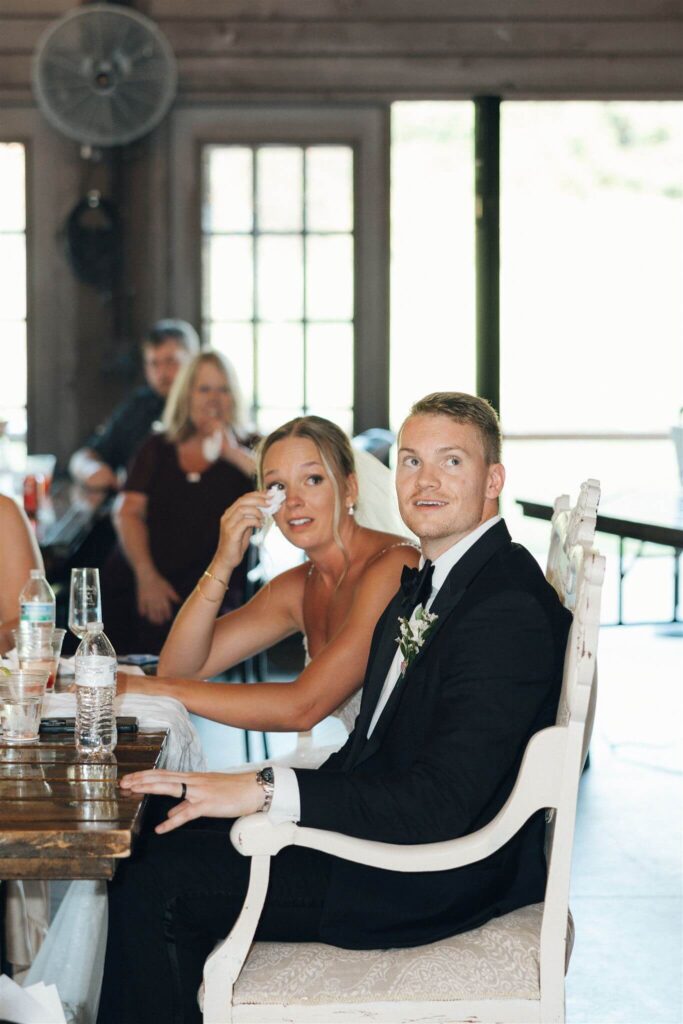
pixel 214 600
pixel 212 577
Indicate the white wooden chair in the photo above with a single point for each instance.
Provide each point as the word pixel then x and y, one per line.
pixel 511 969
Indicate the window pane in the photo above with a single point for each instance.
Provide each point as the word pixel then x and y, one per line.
pixel 229 183
pixel 563 465
pixel 432 251
pixel 280 365
pixel 236 342
pixel 228 277
pixel 258 281
pixel 329 271
pixel 13 277
pixel 12 197
pixel 280 277
pixel 280 188
pixel 329 372
pixel 342 417
pixel 329 188
pixel 591 265
pixel 13 376
pixel 13 357
pixel 271 417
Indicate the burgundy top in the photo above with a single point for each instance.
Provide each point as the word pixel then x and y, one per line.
pixel 183 518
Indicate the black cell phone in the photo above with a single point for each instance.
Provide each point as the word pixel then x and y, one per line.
pixel 124 723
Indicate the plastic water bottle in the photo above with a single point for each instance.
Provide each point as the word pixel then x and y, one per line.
pixel 37 602
pixel 95 691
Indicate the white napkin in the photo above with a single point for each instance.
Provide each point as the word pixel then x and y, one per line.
pixel 38 1004
pixel 10 659
pixel 183 752
pixel 211 445
pixel 275 501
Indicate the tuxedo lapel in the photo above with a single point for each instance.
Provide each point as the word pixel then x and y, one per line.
pixel 378 667
pixel 454 586
pixel 465 570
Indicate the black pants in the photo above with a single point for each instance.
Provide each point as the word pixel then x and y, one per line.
pixel 177 896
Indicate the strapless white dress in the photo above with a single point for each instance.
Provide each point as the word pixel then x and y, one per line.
pixel 308 754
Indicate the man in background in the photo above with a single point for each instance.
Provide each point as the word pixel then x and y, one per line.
pixel 102 462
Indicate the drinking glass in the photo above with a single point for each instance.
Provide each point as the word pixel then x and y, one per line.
pixel 21 702
pixel 38 650
pixel 85 603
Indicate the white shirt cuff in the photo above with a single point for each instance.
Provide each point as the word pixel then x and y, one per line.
pixel 286 804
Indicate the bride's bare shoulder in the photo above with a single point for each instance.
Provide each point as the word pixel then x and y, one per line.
pixel 389 548
pixel 291 581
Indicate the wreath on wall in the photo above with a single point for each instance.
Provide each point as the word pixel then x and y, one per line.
pixel 93 241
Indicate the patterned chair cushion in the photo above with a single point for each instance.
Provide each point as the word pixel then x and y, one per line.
pixel 498 960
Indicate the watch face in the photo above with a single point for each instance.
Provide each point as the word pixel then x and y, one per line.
pixel 267 775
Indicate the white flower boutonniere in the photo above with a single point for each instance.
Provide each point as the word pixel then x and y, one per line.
pixel 412 635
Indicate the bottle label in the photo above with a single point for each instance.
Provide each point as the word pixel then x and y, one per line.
pixel 95 670
pixel 37 611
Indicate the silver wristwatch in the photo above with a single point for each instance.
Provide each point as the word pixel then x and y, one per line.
pixel 266 779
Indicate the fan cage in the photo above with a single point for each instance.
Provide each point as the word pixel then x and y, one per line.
pixel 104 75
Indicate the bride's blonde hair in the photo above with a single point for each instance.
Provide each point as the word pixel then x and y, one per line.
pixel 336 455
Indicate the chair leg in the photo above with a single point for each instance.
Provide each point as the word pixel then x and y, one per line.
pixel 266 752
pixel 247 746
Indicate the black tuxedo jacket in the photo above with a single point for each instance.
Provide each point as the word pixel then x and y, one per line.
pixel 445 753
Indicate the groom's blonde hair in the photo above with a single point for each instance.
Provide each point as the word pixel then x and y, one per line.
pixel 464 408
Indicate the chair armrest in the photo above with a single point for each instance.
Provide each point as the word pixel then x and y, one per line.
pixel 255 835
pixel 537 786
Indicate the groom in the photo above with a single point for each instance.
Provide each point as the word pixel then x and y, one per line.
pixel 443 724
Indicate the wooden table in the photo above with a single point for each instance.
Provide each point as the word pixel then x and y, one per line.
pixel 653 518
pixel 64 816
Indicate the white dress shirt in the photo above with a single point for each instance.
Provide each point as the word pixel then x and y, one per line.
pixel 286 804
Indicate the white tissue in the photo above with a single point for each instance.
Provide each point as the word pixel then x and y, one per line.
pixel 275 501
pixel 212 445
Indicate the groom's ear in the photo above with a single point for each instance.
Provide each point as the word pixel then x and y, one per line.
pixel 495 481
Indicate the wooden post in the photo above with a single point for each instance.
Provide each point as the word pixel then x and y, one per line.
pixel 487 245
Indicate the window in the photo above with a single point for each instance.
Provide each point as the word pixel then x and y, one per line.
pixel 591 309
pixel 13 304
pixel 278 275
pixel 591 265
pixel 432 251
pixel 591 312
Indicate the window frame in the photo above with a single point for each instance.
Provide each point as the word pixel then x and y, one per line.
pixel 367 130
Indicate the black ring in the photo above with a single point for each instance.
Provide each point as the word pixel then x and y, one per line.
pixel 183 790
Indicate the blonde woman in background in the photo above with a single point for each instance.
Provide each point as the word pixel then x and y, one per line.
pixel 168 517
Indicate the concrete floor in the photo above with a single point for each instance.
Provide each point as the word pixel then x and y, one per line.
pixel 626 898
pixel 627 892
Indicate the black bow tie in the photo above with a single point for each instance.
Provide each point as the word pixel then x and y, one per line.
pixel 416 585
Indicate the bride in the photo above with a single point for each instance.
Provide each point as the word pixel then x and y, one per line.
pixel 335 598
